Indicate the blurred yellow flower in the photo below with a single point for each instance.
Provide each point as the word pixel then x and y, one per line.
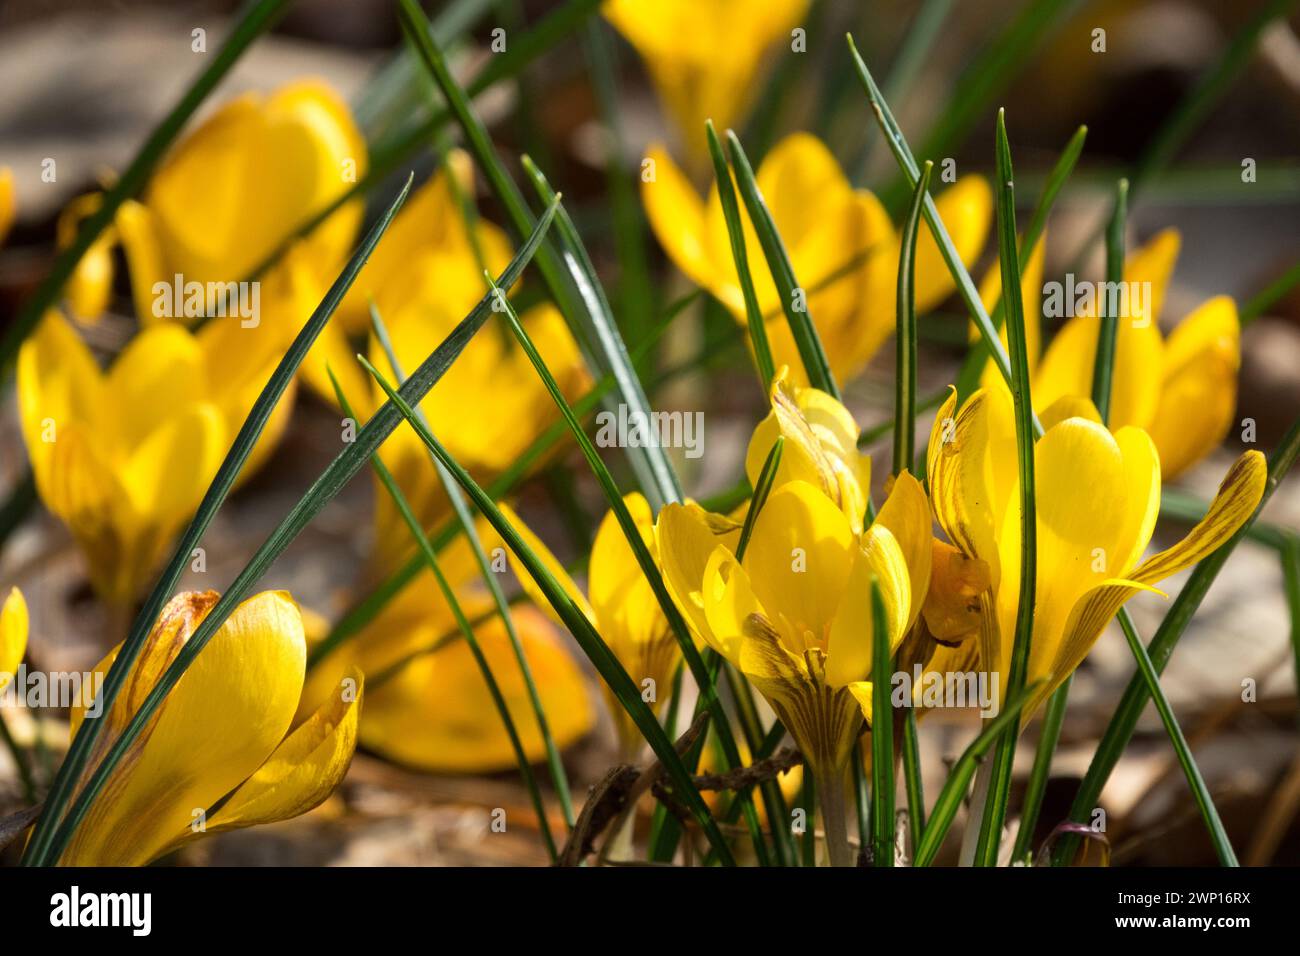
pixel 123 457
pixel 427 705
pixel 13 635
pixel 704 56
pixel 6 201
pixel 225 729
pixel 842 246
pixel 622 608
pixel 1097 495
pixel 224 199
pixel 1182 390
pixel 490 405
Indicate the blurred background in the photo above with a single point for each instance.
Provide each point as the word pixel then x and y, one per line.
pixel 86 82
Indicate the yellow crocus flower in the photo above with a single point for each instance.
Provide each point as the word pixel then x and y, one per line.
pixel 704 56
pixel 794 614
pixel 222 751
pixel 827 226
pixel 1097 496
pixel 490 405
pixel 226 197
pixel 1182 390
pixel 427 705
pixel 124 456
pixel 13 635
pixel 622 607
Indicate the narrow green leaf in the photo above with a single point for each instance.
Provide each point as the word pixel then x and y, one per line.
pixel 969 376
pixel 954 788
pixel 986 852
pixel 465 523
pixel 260 16
pixel 598 336
pixel 736 232
pixel 1270 295
pixel 905 332
pixel 882 735
pixel 1053 718
pixel 1125 718
pixel 766 478
pixel 794 298
pixel 912 778
pixel 365 610
pixel 1103 367
pixel 466 628
pixel 1200 792
pixel 985 78
pixel 601 657
pixel 704 678
pixel 47 844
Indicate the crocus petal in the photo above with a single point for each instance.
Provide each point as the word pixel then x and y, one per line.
pixel 798 559
pixel 1069 406
pixel 219 724
pixel 145 260
pixel 1238 496
pixel 91 284
pixel 169 472
pixel 1153 264
pixel 1199 391
pixel 59 383
pixel 906 513
pixel 733 613
pixel 966 208
pixel 850 644
pixel 820 446
pixel 437 715
pixel 686 536
pixel 13 634
pixel 304 769
pixel 676 214
pixel 622 599
pixel 952 605
pixel 160 371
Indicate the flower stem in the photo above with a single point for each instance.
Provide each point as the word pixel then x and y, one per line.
pixel 830 790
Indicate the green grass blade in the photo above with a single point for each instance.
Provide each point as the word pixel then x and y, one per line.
pixel 1102 375
pixel 326 486
pixel 1103 368
pixel 735 231
pixel 654 470
pixel 1125 718
pixel 912 778
pixel 466 628
pixel 260 16
pixel 912 55
pixel 766 479
pixel 802 328
pixel 882 736
pixel 966 287
pixel 1200 792
pixel 1270 295
pixel 986 852
pixel 905 332
pixel 954 788
pixel 79 751
pixel 638 294
pixel 599 335
pixel 465 523
pixel 601 657
pixel 1053 718
pixel 969 376
pixel 987 76
pixel 705 679
pixel 365 610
